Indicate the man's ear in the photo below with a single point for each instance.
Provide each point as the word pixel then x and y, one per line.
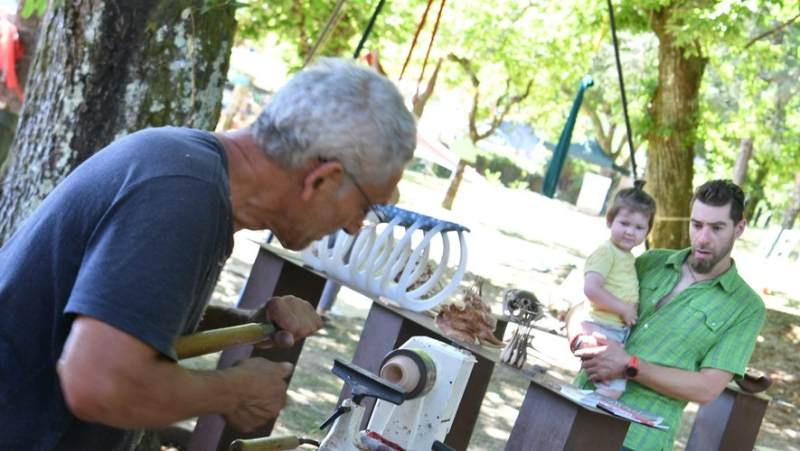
pixel 740 227
pixel 325 176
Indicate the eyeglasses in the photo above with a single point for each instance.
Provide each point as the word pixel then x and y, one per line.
pixel 378 214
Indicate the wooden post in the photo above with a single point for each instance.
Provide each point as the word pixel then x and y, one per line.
pixel 730 422
pixel 548 421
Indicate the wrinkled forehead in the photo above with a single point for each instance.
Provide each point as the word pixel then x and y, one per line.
pixel 705 213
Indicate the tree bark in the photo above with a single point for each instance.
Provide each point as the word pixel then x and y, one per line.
pixel 104 69
pixel 455 181
pixel 674 111
pixel 756 192
pixel 791 213
pixel 742 160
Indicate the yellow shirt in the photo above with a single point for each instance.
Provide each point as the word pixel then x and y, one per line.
pixel 618 268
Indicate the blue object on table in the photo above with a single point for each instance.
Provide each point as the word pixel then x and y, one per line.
pixel 409 218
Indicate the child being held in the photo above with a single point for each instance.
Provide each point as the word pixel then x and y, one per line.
pixel 610 281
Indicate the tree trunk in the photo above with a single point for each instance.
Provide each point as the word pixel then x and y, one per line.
pixel 742 159
pixel 791 213
pixel 756 191
pixel 105 69
pixel 674 111
pixel 420 100
pixel 455 181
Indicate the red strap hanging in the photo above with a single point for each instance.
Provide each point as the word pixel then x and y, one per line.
pixel 416 35
pixel 430 45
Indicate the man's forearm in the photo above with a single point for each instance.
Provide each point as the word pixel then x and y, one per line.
pixel 167 394
pixel 217 317
pixel 609 361
pixel 701 386
pixel 133 386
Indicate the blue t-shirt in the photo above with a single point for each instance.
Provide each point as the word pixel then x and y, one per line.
pixel 136 237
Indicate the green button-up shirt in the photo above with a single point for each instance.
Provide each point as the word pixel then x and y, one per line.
pixel 711 324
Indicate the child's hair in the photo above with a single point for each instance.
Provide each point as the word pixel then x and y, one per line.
pixel 635 200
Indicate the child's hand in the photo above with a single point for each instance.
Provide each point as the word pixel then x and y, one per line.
pixel 630 314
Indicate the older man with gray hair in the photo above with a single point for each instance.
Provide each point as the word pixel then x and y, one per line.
pixel 121 259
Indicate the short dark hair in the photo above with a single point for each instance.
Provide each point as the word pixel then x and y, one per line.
pixel 719 193
pixel 635 200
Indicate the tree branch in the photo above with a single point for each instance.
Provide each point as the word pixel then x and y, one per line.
pixel 771 31
pixel 466 64
pixel 419 101
pixel 498 118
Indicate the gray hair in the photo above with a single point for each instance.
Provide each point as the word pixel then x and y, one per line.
pixel 337 110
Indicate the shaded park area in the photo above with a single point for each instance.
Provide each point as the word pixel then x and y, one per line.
pixel 529 114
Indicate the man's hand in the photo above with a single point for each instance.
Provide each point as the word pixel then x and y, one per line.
pixel 260 391
pixel 630 314
pixel 595 340
pixel 604 363
pixel 294 317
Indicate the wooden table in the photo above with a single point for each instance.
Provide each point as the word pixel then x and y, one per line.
pixel 730 422
pixel 546 420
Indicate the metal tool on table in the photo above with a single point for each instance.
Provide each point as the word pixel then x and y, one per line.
pixel 523 308
pixel 346 419
pixel 435 374
pixel 418 393
pixel 345 433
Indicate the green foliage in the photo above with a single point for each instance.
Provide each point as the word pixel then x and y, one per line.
pixel 503 170
pixel 753 92
pixel 749 86
pixel 493 177
pixel 37 6
pixel 442 172
pixel 209 5
pixel 299 23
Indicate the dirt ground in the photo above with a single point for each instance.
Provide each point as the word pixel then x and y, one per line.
pixel 522 240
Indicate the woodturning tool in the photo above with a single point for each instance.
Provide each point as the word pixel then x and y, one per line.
pixel 216 340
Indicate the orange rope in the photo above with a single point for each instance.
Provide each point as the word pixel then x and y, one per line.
pixel 430 46
pixel 414 42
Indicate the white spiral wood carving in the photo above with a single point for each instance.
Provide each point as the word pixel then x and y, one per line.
pixel 378 262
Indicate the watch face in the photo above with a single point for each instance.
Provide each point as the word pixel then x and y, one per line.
pixel 631 371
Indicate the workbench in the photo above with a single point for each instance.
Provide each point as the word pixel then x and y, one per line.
pixel 547 420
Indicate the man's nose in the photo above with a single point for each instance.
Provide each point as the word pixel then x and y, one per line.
pixel 703 235
pixel 354 227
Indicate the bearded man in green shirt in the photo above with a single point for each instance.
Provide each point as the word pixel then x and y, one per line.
pixel 698 322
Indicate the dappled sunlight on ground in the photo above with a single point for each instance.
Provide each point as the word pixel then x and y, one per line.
pixel 522 240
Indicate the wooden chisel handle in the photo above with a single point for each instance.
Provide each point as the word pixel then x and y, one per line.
pixel 266 444
pixel 216 340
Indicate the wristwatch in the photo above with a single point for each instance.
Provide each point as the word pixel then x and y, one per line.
pixel 632 368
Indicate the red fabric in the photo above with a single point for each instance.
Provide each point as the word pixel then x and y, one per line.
pixel 10 51
pixel 391 445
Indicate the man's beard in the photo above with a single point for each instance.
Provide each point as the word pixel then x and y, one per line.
pixel 705 265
